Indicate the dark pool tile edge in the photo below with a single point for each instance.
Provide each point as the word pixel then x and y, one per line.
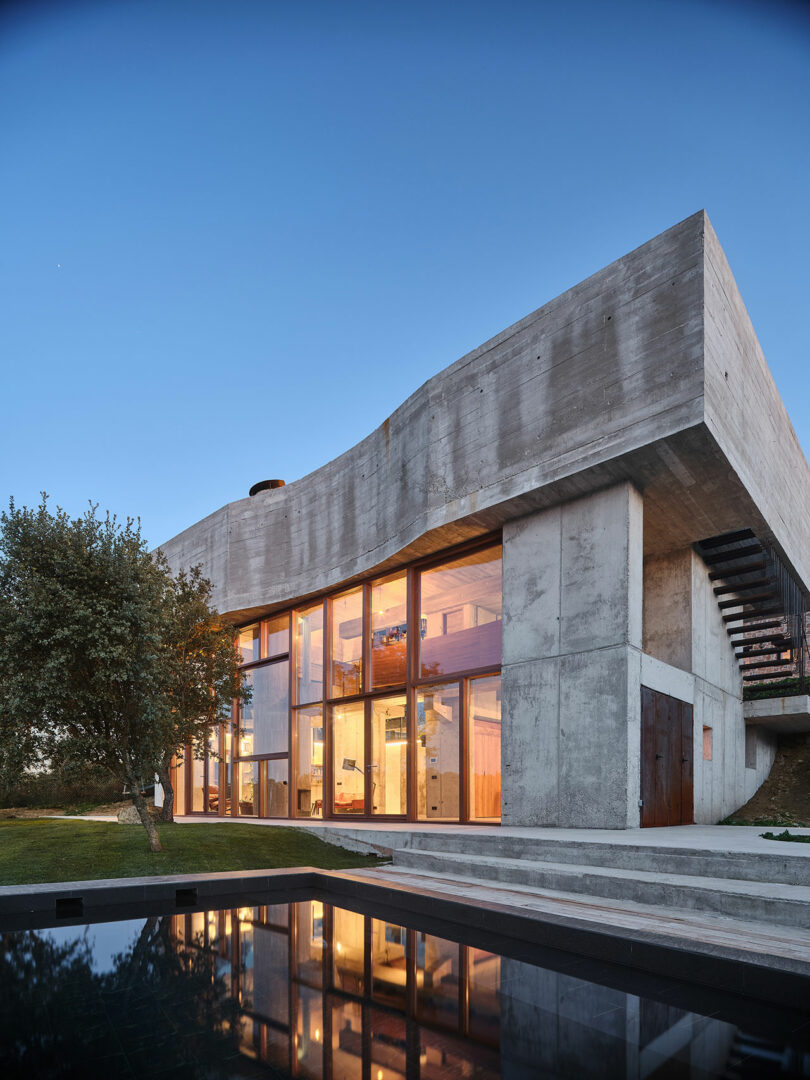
pixel 780 980
pixel 111 892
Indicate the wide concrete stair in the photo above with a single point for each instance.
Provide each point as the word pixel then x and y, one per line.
pixel 768 888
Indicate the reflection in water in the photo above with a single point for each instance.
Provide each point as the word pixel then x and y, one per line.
pixel 312 990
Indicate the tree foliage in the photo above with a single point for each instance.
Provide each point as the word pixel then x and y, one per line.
pixel 105 658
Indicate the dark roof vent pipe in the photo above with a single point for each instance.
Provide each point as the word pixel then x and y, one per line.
pixel 265 485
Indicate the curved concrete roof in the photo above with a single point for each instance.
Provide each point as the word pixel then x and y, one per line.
pixel 649 371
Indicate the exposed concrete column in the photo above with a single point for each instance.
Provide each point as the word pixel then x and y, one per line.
pixel 572 579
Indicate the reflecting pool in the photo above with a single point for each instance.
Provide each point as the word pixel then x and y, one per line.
pixel 310 989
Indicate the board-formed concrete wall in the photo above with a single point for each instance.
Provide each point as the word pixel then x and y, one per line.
pixel 633 415
pixel 622 377
pixel 572 587
pixel 685 634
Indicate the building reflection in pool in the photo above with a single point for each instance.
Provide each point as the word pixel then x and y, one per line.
pixel 312 990
pixel 326 992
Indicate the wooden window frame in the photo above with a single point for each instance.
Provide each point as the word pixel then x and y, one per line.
pixel 409 688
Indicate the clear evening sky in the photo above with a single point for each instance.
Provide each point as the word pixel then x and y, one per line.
pixel 237 235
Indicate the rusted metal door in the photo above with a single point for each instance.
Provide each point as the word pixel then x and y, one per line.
pixel 667 760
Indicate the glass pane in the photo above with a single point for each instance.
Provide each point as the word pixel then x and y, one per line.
pixel 214 767
pixel 309 762
pixel 485 748
pixel 460 614
pixel 389 755
pixel 389 631
pixel 437 980
pixel 348 741
pixel 272 973
pixel 309 654
pixel 249 644
pixel 348 952
pixel 265 717
pixel 179 785
pixel 277 635
pixel 275 797
pixel 197 782
pixel 309 942
pixel 309 1033
pixel 389 963
pixel 438 725
pixel 248 788
pixel 227 769
pixel 347 643
pixel 485 995
pixel 347 1040
pixel 388 1043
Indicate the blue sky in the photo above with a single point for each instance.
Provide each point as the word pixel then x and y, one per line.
pixel 236 235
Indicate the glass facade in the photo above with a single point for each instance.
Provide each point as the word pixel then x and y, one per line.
pixel 379 701
pixel 324 992
pixel 347 644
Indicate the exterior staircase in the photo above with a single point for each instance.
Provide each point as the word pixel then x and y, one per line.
pixel 764 887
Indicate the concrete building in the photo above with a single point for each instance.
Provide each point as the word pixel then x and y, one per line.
pixel 535 593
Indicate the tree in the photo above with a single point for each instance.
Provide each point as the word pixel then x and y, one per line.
pixel 89 625
pixel 204 677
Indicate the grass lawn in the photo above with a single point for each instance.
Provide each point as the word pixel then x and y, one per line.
pixel 63 850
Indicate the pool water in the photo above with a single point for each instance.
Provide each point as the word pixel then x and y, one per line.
pixel 311 989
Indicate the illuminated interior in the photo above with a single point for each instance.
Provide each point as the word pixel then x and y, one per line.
pixel 322 991
pixel 382 701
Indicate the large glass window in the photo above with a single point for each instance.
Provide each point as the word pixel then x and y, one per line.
pixel 460 614
pixel 197 785
pixel 227 768
pixel 214 771
pixel 277 635
pixel 438 733
pixel 265 718
pixel 427 639
pixel 179 785
pixel 349 758
pixel 248 788
pixel 309 654
pixel 389 631
pixel 275 792
pixel 484 725
pixel 388 765
pixel 249 644
pixel 347 644
pixel 309 762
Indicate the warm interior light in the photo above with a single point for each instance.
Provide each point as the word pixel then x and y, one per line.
pixel 339 947
pixel 317 1034
pixel 379 1074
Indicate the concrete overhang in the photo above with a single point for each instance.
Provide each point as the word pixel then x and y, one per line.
pixel 784 715
pixel 647 371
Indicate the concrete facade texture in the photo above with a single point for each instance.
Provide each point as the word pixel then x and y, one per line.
pixel 571 663
pixel 604 434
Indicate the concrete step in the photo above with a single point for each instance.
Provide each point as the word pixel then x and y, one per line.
pixel 786 865
pixel 754 901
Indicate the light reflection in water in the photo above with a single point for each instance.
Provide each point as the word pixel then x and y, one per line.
pixel 312 990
